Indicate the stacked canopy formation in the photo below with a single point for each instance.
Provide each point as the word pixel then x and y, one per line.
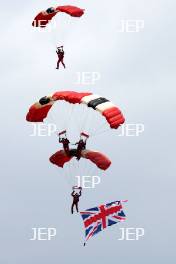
pixel 99 159
pixel 44 17
pixel 39 111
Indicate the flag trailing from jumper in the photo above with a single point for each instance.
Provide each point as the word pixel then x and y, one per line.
pixel 98 218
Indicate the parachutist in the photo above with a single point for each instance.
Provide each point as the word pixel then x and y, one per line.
pixel 81 144
pixel 60 53
pixel 64 140
pixel 75 196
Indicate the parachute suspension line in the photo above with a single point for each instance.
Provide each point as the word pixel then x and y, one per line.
pixel 101 129
pixel 60 173
pixel 75 169
pixel 78 167
pixel 69 172
pixel 49 122
pixel 61 109
pixel 52 39
pixel 53 119
pixel 86 162
pixel 79 118
pixel 81 168
pixel 64 174
pixel 71 110
pixel 92 170
pixel 61 123
pixel 85 120
pixel 102 126
pixel 88 121
pixel 102 132
pixel 85 166
pixel 89 117
pixel 68 179
pixel 56 37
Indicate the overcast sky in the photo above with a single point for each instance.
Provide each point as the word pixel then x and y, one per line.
pixel 138 74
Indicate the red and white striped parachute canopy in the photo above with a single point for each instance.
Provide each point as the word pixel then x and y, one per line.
pixel 113 115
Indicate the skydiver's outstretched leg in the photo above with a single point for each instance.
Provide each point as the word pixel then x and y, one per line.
pixel 58 64
pixel 72 208
pixel 77 207
pixel 62 61
pixel 78 155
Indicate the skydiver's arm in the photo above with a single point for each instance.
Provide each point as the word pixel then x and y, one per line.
pixel 72 194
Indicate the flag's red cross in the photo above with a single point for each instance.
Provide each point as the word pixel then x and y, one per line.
pixel 102 215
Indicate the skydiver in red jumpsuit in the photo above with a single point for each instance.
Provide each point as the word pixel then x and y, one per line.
pixel 65 142
pixel 60 54
pixel 81 146
pixel 75 200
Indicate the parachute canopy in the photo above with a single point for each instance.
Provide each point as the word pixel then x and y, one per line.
pixel 99 159
pixel 44 17
pixel 39 111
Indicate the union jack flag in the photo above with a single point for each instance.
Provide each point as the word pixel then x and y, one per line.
pixel 98 218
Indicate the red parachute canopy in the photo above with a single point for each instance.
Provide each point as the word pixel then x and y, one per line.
pixel 44 17
pixel 39 111
pixel 60 158
pixel 99 159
